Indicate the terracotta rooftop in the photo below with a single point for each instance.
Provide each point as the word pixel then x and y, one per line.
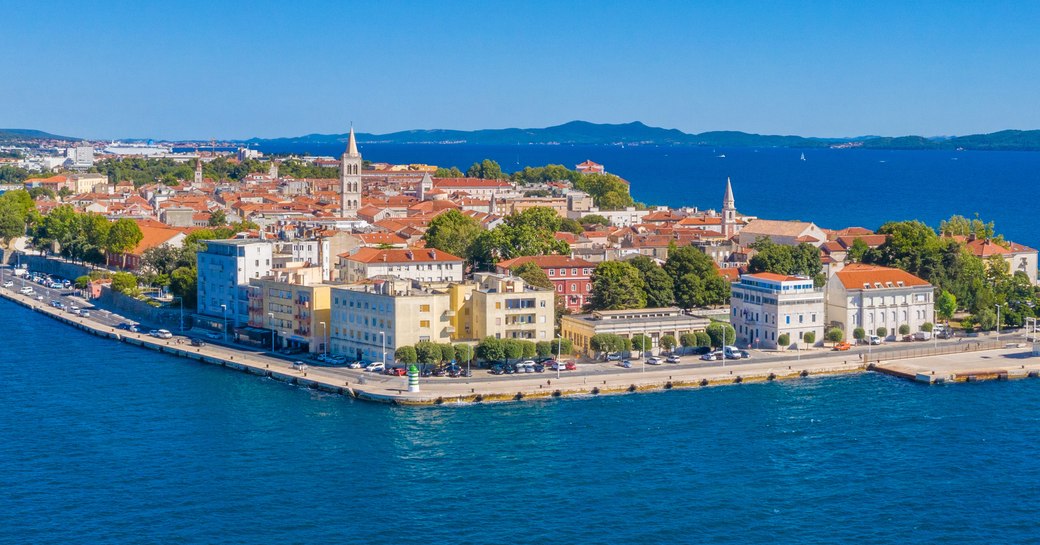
pixel 547 261
pixel 374 255
pixel 858 276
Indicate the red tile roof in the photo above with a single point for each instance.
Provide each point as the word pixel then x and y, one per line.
pixel 375 255
pixel 854 276
pixel 547 262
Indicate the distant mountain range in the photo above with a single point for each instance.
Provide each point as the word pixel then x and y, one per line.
pixel 635 133
pixel 585 133
pixel 21 135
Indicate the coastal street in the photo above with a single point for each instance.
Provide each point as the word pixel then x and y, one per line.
pixel 590 378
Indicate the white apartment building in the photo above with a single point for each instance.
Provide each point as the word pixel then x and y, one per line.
pixel 871 296
pixel 764 306
pixel 420 264
pixel 224 270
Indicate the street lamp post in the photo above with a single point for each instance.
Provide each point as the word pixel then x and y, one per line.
pixel 224 308
pixel 998 323
pixel 270 317
pixel 324 339
pixel 559 350
pixel 382 335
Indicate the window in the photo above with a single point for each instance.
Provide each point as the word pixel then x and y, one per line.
pixel 574 272
pixel 574 287
pixel 424 308
pixel 424 323
pixel 559 288
pixel 552 272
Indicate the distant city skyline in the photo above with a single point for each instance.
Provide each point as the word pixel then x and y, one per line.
pixel 200 70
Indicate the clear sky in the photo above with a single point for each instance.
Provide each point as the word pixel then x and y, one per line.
pixel 202 69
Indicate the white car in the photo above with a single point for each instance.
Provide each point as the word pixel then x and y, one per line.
pixel 27 290
pixel 8 284
pixel 163 334
pixel 653 361
pixel 354 365
pixel 376 367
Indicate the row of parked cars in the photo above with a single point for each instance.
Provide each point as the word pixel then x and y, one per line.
pixel 727 353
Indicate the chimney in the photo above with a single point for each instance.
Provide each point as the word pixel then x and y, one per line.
pixel 433 254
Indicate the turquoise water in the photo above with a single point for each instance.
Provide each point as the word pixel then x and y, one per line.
pixel 106 443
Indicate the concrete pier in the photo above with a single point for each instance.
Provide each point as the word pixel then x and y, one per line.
pixel 1002 363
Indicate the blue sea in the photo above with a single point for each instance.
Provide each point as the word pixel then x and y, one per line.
pixel 105 443
pixel 833 188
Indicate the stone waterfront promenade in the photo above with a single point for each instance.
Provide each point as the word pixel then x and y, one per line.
pixel 990 361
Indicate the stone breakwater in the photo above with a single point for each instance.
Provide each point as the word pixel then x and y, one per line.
pixel 445 391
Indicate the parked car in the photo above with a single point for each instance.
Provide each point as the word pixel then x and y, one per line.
pixel 570 366
pixel 842 346
pixel 874 340
pixel 539 368
pixel 198 342
pixel 27 290
pixel 124 326
pixel 614 357
pixel 731 352
pixel 354 365
pixel 376 367
pixel 161 334
pixel 654 361
pixel 397 371
pixel 8 284
pixel 700 350
pixel 945 334
pixel 922 336
pixel 213 336
pixel 299 366
pixel 710 356
pixel 672 359
pixel 497 369
pixel 745 355
pixel 625 363
pixel 84 313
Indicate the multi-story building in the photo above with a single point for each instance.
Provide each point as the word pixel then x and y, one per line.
pixel 504 307
pixel 296 313
pixel 386 313
pixel 652 322
pixel 571 276
pixel 871 297
pixel 421 264
pixel 764 306
pixel 225 268
pixel 1019 258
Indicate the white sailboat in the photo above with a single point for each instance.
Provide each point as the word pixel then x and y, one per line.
pixel 803 156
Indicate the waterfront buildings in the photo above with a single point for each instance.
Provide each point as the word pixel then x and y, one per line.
pixel 392 312
pixel 295 311
pixel 1019 258
pixel 872 296
pixel 571 276
pixel 225 268
pixel 421 264
pixel 652 322
pixel 764 306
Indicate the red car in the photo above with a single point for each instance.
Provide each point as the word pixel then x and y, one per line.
pixel 571 366
pixel 397 371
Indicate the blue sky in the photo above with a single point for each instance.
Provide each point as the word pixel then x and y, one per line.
pixel 206 69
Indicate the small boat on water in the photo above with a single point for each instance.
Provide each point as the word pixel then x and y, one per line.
pixel 803 156
pixel 723 156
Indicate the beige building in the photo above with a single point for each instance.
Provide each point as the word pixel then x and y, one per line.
pixel 1019 258
pixel 502 306
pixel 297 312
pixel 395 312
pixel 764 306
pixel 653 322
pixel 788 233
pixel 871 296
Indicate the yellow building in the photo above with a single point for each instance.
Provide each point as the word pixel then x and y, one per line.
pixel 502 306
pixel 297 313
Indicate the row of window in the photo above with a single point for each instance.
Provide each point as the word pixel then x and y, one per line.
pixel 563 272
pixel 574 287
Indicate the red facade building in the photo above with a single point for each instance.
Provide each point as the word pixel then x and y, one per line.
pixel 572 277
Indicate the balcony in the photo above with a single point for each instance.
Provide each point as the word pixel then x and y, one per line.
pixel 449 313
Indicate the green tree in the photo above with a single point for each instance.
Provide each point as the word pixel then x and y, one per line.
pixel 447 352
pixel 124 283
pixel 514 350
pixel 641 342
pixel 162 259
pixel 784 340
pixel 533 275
pixel 904 329
pixel 531 232
pixel 702 338
pixel 927 327
pixel 667 342
pixel 463 352
pixel 594 220
pixel 529 349
pixel 427 352
pixel 859 334
pixel 658 286
pixel 218 218
pixel 571 226
pixel 607 190
pixel 452 172
pixel 716 291
pixel 717 333
pixel 616 285
pixel 123 236
pixel 561 346
pixel 809 338
pixel 486 169
pixel 491 349
pixel 688 340
pixel 406 355
pixel 882 332
pixel 453 232
pixel 184 284
pixel 835 335
pixel 986 318
pixel 608 343
pixel 82 282
pixel 856 251
pixel 543 348
pixel 945 305
pixel 685 260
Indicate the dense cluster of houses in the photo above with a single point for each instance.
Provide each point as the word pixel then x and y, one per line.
pixel 339 264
